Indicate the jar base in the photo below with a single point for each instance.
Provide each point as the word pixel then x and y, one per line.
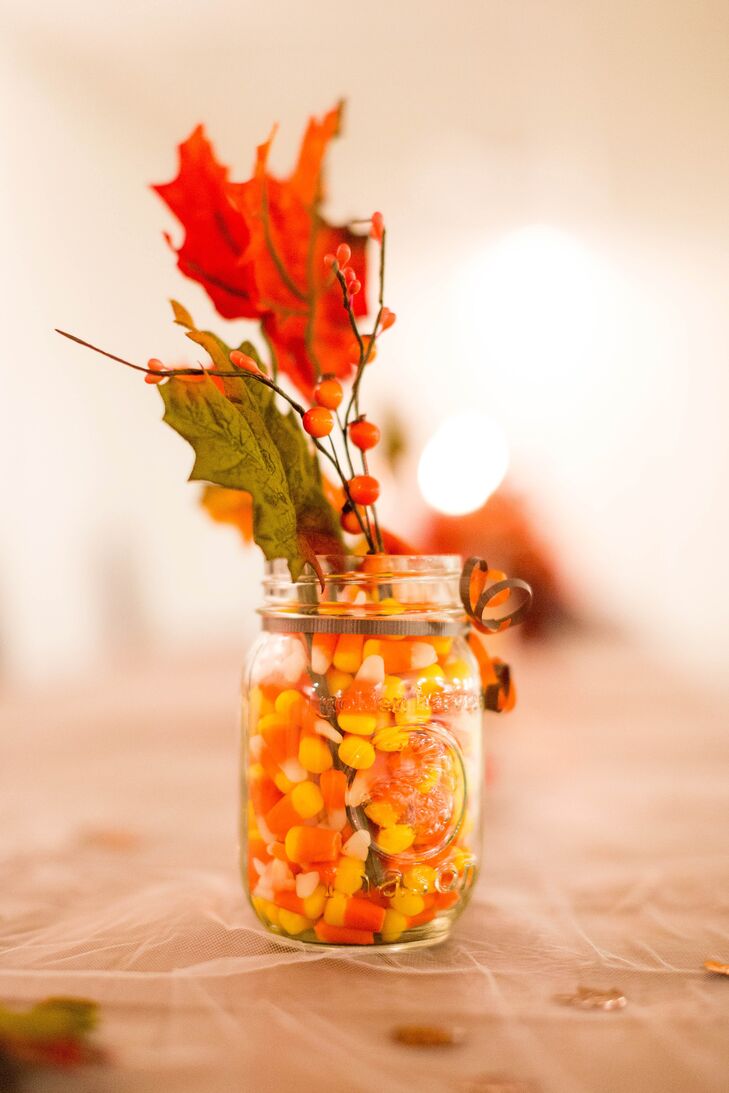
pixel 386 948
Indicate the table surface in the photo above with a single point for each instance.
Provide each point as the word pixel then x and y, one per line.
pixel 607 866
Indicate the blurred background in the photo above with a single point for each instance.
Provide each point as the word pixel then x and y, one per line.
pixel 554 177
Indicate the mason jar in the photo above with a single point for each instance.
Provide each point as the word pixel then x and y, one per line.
pixel 362 753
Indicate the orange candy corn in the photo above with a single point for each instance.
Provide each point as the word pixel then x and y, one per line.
pixel 312 844
pixel 263 795
pixel 289 901
pixel 361 914
pixel 282 817
pixel 348 652
pixel 333 784
pixel 322 651
pixel 445 900
pixel 425 916
pixel 281 738
pixel 341 935
pixel 401 656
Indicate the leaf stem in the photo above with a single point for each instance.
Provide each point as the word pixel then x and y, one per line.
pixel 270 246
pixel 311 296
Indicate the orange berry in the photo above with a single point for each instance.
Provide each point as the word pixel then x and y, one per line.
pixel 328 392
pixel 156 365
pixel 318 421
pixel 349 275
pixel 387 318
pixel 349 521
pixel 370 353
pixel 378 227
pixel 364 489
pixel 344 253
pixel 329 260
pixel 355 287
pixel 364 434
pixel 242 360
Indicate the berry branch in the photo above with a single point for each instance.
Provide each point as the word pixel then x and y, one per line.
pixel 246 368
pixel 360 490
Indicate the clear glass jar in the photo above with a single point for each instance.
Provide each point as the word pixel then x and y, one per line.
pixel 362 754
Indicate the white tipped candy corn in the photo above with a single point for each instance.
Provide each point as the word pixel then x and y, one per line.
pixel 358 790
pixel 306 884
pixel 293 770
pixel 323 728
pixel 280 874
pixel 372 670
pixel 358 845
pixel 336 819
pixel 422 655
pixel 322 651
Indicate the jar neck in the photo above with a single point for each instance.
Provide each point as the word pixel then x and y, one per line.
pixel 403 589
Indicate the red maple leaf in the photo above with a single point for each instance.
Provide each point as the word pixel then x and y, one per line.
pixel 216 234
pixel 257 248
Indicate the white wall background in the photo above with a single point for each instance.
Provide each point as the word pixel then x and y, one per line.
pixel 555 177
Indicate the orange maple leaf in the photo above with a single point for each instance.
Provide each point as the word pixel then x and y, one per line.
pixel 258 249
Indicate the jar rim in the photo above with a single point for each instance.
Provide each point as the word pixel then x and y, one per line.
pixel 343 565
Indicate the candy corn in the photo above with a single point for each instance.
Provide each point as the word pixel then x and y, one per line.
pixel 312 844
pixel 357 834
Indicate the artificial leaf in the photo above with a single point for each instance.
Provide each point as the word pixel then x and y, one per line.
pixel 182 315
pixel 243 442
pixel 303 314
pixel 257 248
pixel 393 544
pixel 215 233
pixel 234 449
pixel 227 506
pixel 52 1033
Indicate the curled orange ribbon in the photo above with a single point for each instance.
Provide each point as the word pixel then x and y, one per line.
pixel 475 612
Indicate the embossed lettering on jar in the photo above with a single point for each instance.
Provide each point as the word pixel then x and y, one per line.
pixel 362 754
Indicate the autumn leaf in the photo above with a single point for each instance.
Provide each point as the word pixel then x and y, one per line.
pixel 303 316
pixel 52 1033
pixel 233 507
pixel 215 233
pixel 235 450
pixel 257 248
pixel 242 441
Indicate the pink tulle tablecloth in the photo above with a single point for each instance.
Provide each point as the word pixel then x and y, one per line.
pixel 607 866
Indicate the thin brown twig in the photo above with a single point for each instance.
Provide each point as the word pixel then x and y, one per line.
pixel 364 358
pixel 171 373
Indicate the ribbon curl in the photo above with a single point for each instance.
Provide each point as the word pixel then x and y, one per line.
pixel 476 612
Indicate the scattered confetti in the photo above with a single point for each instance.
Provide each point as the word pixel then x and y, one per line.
pixel 497 1083
pixel 428 1035
pixel 588 998
pixel 110 838
pixel 52 1033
